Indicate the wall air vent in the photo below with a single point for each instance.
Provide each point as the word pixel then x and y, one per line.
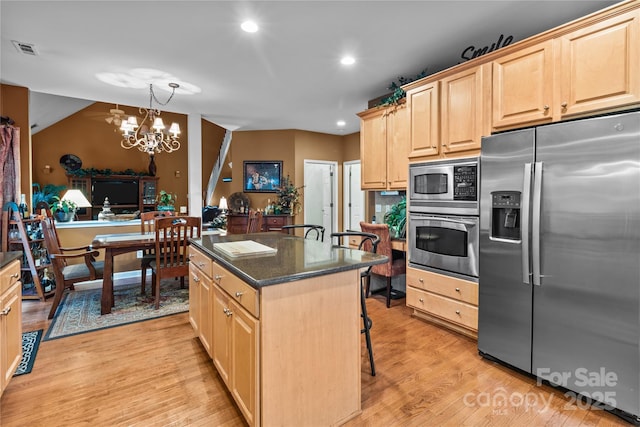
pixel 26 48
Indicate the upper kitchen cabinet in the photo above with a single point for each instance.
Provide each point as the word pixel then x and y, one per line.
pixel 465 107
pixel 523 86
pixel 384 147
pixel 422 102
pixel 595 68
pixel 600 66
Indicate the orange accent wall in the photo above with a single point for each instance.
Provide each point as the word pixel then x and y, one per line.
pixel 14 103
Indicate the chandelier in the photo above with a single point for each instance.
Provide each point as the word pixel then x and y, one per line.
pixel 149 136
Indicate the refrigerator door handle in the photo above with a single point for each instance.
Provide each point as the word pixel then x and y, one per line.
pixel 535 223
pixel 526 195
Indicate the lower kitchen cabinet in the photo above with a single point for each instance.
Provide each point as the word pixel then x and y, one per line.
pixel 445 300
pixel 10 322
pixel 200 289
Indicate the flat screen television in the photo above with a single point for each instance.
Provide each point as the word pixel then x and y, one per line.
pixel 119 192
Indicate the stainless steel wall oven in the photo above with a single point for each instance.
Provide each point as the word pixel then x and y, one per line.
pixel 443 231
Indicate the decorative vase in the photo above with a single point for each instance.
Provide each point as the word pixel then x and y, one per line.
pixel 62 216
pixel 152 165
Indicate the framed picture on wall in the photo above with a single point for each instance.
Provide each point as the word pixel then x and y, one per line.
pixel 261 176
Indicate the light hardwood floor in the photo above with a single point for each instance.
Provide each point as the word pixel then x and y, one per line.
pixel 155 373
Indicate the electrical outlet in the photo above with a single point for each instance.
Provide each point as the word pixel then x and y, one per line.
pixel 139 254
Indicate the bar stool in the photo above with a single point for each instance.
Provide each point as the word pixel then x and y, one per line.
pixel 311 230
pixel 369 242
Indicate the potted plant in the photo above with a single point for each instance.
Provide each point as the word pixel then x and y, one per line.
pixel 396 218
pixel 289 197
pixel 166 201
pixel 63 210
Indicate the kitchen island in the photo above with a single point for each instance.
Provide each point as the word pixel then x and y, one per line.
pixel 283 329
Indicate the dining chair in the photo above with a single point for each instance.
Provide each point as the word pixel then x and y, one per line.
pixel 172 249
pixel 254 222
pixel 393 267
pixel 67 274
pixel 310 230
pixel 147 226
pixel 368 242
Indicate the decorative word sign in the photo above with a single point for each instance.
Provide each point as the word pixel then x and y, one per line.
pixel 471 52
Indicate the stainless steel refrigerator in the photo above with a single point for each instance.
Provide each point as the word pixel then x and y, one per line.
pixel 560 256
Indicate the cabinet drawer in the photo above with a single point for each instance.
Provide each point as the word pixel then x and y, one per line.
pixel 274 223
pixel 446 308
pixel 237 289
pixel 200 260
pixel 452 287
pixel 9 276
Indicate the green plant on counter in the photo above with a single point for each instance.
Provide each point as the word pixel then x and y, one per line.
pixel 165 200
pixel 66 206
pixel 396 218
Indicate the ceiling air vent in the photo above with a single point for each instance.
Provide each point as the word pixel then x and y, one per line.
pixel 26 48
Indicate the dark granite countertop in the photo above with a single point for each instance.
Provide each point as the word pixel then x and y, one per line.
pixel 296 258
pixel 7 257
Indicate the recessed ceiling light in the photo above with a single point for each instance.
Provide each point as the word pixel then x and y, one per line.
pixel 348 60
pixel 341 123
pixel 249 26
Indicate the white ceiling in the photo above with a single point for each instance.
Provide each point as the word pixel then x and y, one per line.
pixel 286 76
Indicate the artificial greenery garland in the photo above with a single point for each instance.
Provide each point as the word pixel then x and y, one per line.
pixel 398 93
pixel 105 172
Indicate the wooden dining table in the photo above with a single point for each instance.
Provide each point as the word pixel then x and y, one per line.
pixel 117 244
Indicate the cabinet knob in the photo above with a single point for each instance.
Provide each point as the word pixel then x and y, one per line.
pixel 201 264
pixel 421 280
pixel 564 105
pixel 239 294
pixel 190 256
pixel 458 290
pixel 5 311
pixel 546 108
pixel 196 278
pixel 217 277
pixel 421 299
pixel 458 312
pixel 227 312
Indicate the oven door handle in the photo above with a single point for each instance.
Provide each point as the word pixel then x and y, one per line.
pixel 447 219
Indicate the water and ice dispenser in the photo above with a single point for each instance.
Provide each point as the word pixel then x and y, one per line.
pixel 505 215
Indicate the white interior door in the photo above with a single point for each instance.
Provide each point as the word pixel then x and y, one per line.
pixel 320 201
pixel 353 203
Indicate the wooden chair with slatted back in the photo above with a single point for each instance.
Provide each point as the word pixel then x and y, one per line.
pixel 254 222
pixel 67 274
pixel 147 225
pixel 172 253
pixel 394 266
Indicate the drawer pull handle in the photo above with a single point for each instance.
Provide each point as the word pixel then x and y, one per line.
pixel 458 290
pixel 191 256
pixel 196 278
pixel 201 264
pixel 5 311
pixel 239 294
pixel 458 312
pixel 217 277
pixel 15 275
pixel 421 299
pixel 227 312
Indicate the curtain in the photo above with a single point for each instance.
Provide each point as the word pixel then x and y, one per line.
pixel 9 164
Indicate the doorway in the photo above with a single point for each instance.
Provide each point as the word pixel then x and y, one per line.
pixel 321 197
pixel 353 196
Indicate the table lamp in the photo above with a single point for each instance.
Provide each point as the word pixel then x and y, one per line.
pixel 223 204
pixel 78 198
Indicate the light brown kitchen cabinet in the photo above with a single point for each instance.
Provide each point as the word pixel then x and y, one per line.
pixel 236 339
pixel 200 298
pixel 384 147
pixel 10 322
pixel 423 103
pixel 600 66
pixel 465 105
pixel 523 87
pixel 444 300
pixel 593 69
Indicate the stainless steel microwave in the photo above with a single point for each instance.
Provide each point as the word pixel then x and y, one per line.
pixel 445 186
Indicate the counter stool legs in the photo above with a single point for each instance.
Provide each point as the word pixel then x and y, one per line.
pixel 367 322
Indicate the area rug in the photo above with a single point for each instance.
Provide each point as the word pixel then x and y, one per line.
pixel 30 344
pixel 79 310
